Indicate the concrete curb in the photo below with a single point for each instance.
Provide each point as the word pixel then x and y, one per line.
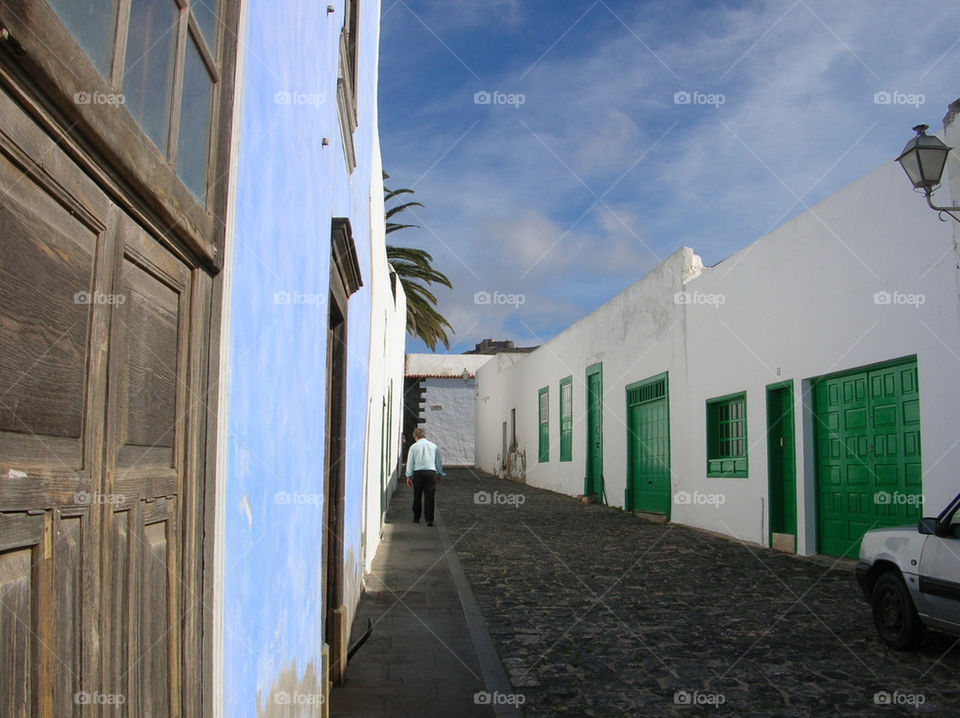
pixel 494 676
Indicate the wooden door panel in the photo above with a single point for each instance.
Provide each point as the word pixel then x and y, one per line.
pixel 159 634
pixel 24 618
pixel 52 315
pixel 149 374
pixel 149 365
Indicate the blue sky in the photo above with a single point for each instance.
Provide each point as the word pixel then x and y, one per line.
pixel 617 131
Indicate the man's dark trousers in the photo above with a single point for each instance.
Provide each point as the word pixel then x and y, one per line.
pixel 424 488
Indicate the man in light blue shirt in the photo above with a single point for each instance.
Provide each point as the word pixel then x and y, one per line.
pixel 423 470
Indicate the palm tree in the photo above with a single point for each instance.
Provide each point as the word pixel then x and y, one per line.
pixel 413 268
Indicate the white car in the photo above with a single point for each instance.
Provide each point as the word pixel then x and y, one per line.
pixel 911 577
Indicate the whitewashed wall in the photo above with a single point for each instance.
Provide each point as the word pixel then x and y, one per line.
pixel 636 335
pixel 796 304
pixel 448 418
pixel 388 319
pixel 799 304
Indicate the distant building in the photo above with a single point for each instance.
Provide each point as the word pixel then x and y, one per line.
pixel 489 346
pixel 439 395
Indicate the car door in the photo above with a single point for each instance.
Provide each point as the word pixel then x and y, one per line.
pixel 940 577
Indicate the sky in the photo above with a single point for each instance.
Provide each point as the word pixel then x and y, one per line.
pixel 562 149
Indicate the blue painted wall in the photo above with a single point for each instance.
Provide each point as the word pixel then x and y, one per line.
pixel 288 187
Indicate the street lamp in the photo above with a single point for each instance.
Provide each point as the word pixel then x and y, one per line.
pixel 923 159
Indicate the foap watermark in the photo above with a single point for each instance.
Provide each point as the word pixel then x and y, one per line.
pixel 96 97
pixel 685 498
pixel 285 498
pixel 698 698
pixel 897 498
pixel 485 498
pixel 485 698
pixel 98 298
pixel 296 698
pixel 299 298
pixel 85 498
pixel 513 99
pixel 699 98
pixel 900 299
pixel 886 97
pixel 501 298
pixel 699 298
pixel 86 698
pixel 286 97
pixel 899 698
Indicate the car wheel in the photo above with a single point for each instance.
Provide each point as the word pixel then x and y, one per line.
pixel 894 614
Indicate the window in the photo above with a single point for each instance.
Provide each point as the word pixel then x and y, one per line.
pixel 347 80
pixel 167 70
pixel 566 419
pixel 544 453
pixel 93 23
pixel 727 436
pixel 148 67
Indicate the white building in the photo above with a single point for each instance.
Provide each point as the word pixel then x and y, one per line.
pixel 440 394
pixel 777 397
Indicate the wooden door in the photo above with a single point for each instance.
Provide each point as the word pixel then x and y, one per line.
pixel 868 453
pixel 101 487
pixel 648 450
pixel 781 463
pixel 593 485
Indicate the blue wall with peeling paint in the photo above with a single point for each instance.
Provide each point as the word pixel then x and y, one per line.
pixel 288 187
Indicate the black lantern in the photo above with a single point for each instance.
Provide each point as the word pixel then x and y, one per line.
pixel 923 159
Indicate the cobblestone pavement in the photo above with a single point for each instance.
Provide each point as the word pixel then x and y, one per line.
pixel 597 612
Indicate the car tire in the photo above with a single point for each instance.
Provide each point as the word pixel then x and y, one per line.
pixel 894 614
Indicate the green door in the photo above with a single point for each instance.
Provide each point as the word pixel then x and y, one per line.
pixel 867 426
pixel 781 464
pixel 593 482
pixel 648 446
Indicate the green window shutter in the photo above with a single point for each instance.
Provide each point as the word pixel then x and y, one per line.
pixel 727 436
pixel 566 419
pixel 544 396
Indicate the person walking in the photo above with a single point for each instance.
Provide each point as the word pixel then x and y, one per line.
pixel 423 471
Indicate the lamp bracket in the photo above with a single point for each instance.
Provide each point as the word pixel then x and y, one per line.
pixel 942 210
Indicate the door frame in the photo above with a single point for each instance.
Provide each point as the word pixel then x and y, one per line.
pixel 594 484
pixel 786 386
pixel 628 491
pixel 345 279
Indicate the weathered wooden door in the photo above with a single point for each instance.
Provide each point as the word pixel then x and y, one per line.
pixel 111 238
pixel 101 385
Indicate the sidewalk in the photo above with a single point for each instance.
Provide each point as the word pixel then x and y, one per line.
pixel 430 653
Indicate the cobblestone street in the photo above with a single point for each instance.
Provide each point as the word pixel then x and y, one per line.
pixel 597 612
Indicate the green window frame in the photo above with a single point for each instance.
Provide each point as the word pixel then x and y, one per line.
pixel 543 399
pixel 566 419
pixel 727 436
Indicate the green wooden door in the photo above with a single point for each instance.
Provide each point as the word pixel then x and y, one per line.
pixel 867 426
pixel 648 447
pixel 594 467
pixel 781 462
